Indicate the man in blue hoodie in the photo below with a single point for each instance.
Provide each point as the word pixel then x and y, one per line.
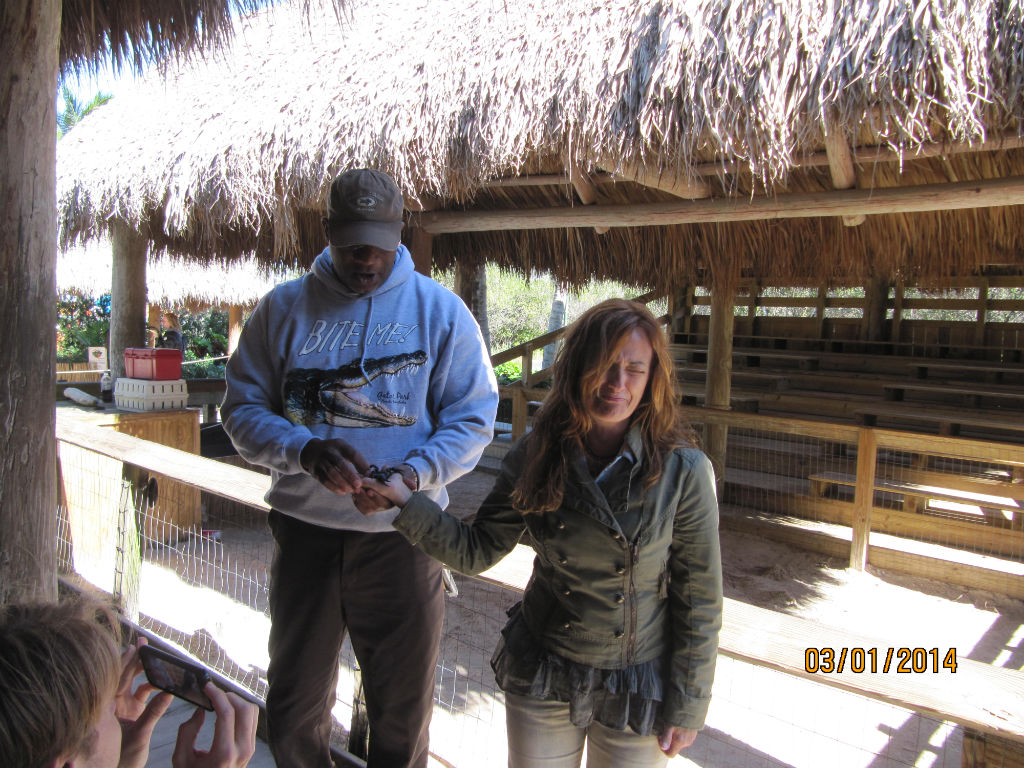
pixel 361 362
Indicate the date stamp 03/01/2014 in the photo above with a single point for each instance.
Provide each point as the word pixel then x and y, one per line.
pixel 872 660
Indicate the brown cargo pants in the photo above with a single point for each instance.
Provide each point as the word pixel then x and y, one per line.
pixel 387 595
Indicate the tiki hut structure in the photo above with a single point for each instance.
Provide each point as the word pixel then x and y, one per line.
pixel 661 143
pixel 173 283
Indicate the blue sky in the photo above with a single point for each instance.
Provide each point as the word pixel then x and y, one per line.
pixel 85 85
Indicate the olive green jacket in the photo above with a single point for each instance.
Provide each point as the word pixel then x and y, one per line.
pixel 594 597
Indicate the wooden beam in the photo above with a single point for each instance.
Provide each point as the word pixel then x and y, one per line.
pixel 840 164
pixel 424 203
pixel 867 155
pixel 870 155
pixel 916 199
pixel 585 190
pixel 688 189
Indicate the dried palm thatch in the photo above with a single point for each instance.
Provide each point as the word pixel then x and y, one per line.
pixel 170 282
pixel 234 155
pixel 132 33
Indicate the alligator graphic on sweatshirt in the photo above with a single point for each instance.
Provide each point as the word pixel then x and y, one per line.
pixel 313 395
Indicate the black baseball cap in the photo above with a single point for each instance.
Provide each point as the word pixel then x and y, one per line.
pixel 365 208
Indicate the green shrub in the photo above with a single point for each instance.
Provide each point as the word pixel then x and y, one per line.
pixel 508 373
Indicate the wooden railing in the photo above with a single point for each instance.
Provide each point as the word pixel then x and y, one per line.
pixel 858 449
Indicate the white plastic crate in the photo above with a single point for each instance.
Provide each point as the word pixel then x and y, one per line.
pixel 150 395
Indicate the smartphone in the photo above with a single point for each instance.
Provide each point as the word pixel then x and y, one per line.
pixel 175 675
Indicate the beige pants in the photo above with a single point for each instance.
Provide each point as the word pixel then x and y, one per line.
pixel 540 735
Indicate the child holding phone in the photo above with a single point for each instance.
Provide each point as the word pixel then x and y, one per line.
pixel 76 704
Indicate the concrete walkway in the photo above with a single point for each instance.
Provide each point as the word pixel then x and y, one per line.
pixel 166 734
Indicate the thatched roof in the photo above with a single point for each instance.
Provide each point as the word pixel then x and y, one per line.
pixel 233 155
pixel 131 33
pixel 171 283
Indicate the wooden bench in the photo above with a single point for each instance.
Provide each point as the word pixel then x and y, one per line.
pixel 948 422
pixel 999 510
pixel 692 353
pixel 773 382
pixel 736 403
pixel 990 373
pixel 971 396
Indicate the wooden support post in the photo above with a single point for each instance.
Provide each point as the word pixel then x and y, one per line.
pixel 584 186
pixel 876 302
pixel 819 314
pixel 128 295
pixel 153 323
pixel 979 323
pixel 520 412
pixel 753 300
pixel 471 287
pixel 985 750
pixel 895 329
pixel 682 317
pixel 359 727
pixel 235 326
pixel 840 164
pixel 719 385
pixel 420 246
pixel 864 497
pixel 138 497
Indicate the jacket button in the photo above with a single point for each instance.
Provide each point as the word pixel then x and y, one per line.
pixel 566 626
pixel 562 559
pixel 560 525
pixel 619 537
pixel 567 592
pixel 619 633
pixel 620 569
pixel 619 597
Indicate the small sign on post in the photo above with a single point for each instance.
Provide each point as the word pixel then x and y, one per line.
pixel 97 358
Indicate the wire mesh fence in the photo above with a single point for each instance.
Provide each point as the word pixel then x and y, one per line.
pixel 938 504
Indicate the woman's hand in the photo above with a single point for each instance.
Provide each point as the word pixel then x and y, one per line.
pixel 394 490
pixel 234 733
pixel 674 739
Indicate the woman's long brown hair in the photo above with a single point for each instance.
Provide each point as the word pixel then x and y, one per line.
pixel 563 421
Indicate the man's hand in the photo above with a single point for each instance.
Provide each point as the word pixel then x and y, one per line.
pixel 673 739
pixel 234 733
pixel 335 463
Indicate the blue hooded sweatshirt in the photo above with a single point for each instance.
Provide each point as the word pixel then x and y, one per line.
pixel 401 373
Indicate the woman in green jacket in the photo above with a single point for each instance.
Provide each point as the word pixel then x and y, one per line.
pixel 615 641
